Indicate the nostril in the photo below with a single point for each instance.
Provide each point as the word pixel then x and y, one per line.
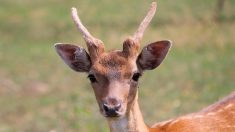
pixel 117 107
pixel 106 107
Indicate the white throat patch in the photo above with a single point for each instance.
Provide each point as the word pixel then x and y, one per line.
pixel 119 125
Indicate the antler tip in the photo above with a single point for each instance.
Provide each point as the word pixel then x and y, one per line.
pixel 154 5
pixel 74 10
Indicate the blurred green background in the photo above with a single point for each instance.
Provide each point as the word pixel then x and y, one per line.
pixel 39 93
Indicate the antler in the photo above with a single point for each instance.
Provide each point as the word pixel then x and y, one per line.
pixel 95 46
pixel 132 44
pixel 144 24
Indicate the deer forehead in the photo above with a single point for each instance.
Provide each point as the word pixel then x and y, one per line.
pixel 114 64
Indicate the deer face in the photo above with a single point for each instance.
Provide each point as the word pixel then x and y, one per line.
pixel 114 75
pixel 111 79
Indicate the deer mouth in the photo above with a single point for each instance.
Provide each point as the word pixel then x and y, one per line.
pixel 112 114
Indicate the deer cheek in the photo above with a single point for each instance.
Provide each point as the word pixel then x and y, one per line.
pixel 98 94
pixel 132 93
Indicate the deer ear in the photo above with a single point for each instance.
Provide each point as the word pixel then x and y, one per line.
pixel 74 56
pixel 153 54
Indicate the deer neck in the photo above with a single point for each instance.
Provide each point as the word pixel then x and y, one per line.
pixel 131 122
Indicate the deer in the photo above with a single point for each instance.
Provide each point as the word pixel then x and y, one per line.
pixel 114 76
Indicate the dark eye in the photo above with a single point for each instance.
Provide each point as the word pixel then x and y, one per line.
pixel 136 76
pixel 92 78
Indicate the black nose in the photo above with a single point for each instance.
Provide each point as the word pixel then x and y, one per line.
pixel 111 110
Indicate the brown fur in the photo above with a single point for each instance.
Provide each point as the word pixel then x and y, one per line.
pixel 113 71
pixel 219 117
pixel 115 83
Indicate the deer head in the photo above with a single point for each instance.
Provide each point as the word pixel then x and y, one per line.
pixel 114 75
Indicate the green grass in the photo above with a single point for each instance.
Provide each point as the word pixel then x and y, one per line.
pixel 38 92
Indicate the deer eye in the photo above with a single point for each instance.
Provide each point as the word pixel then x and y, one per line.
pixel 136 76
pixel 92 78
